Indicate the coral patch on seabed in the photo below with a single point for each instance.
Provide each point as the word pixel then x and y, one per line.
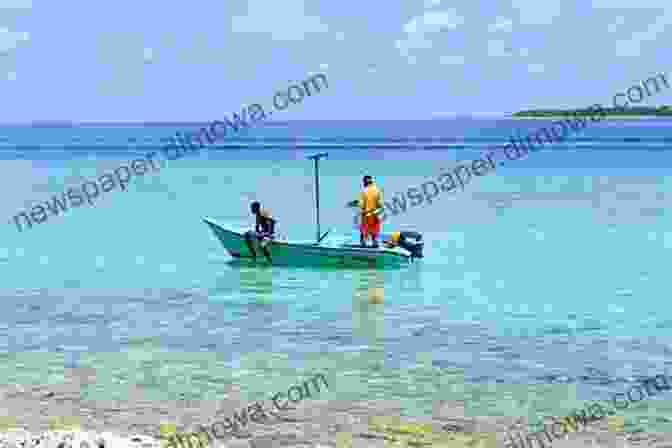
pixel 20 438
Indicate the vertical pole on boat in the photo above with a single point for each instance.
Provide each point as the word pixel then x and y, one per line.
pixel 316 158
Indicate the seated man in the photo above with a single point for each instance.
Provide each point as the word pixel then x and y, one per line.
pixel 263 230
pixel 402 239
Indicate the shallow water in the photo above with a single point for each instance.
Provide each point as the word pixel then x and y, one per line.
pixel 549 272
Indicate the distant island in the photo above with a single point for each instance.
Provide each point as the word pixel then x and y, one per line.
pixel 662 111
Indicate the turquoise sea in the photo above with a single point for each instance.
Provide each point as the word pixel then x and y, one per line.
pixel 543 284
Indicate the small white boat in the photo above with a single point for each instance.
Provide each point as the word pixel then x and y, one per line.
pixel 307 253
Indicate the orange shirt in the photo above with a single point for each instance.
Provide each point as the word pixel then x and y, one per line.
pixel 370 199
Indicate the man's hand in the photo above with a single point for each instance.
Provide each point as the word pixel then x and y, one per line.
pixel 374 212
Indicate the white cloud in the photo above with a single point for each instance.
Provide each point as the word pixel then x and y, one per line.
pixel 536 68
pixel 11 76
pixel 629 4
pixel 451 60
pixel 434 21
pixel 620 20
pixel 498 48
pixel 419 29
pixel 16 4
pixel 402 47
pixel 285 20
pixel 501 24
pixel 432 3
pixel 524 52
pixel 339 35
pixel 10 39
pixel 148 55
pixel 414 41
pixel 324 66
pixel 633 46
pixel 535 12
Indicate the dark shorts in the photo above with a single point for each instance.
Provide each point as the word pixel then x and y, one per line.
pixel 263 237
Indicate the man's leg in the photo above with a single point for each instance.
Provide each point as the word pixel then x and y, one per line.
pixel 248 239
pixel 264 241
pixel 375 230
pixel 362 232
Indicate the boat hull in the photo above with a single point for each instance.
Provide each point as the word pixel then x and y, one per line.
pixel 306 253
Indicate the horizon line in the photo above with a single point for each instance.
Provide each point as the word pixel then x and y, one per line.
pixel 158 123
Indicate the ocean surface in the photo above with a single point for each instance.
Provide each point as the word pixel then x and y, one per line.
pixel 543 283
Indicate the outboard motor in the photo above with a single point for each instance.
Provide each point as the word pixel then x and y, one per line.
pixel 412 242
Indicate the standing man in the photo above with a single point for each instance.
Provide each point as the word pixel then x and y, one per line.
pixel 371 205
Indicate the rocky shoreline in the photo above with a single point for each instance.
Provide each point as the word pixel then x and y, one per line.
pixel 53 415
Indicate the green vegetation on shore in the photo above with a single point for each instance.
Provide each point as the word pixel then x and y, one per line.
pixel 662 111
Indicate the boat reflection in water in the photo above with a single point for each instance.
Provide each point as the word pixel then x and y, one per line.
pixel 256 283
pixel 368 316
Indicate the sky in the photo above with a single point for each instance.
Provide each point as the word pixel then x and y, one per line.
pixel 201 60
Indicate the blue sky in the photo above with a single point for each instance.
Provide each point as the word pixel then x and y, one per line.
pixel 201 60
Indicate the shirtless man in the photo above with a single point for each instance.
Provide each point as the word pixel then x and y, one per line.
pixel 263 230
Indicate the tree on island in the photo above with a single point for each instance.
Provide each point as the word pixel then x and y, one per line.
pixel 635 110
